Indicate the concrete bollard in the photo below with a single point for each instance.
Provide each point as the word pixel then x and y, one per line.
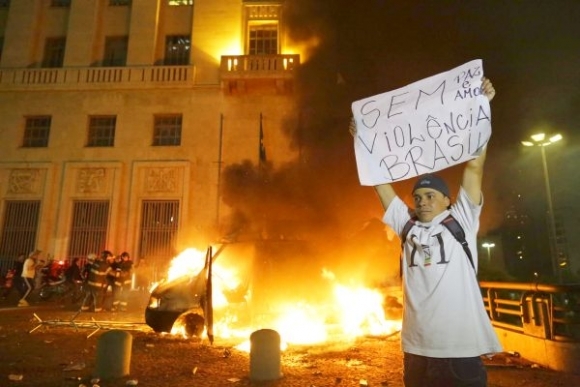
pixel 265 355
pixel 113 354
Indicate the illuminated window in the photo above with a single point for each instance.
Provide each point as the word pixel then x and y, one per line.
pixel 263 39
pixel 167 130
pixel 54 52
pixel 101 131
pixel 115 51
pixel 179 2
pixel 60 3
pixel 177 49
pixel 262 29
pixel 36 132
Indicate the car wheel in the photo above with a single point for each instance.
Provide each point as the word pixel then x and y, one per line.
pixel 193 324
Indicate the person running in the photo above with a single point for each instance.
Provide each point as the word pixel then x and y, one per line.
pixel 28 274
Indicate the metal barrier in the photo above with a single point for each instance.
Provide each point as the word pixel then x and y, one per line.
pixel 92 324
pixel 540 321
pixel 549 312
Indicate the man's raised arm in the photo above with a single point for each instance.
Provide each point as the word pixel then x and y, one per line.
pixel 386 194
pixel 473 172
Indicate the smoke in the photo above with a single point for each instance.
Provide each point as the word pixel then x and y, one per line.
pixel 362 48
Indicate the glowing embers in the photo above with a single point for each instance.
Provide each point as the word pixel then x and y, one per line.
pixel 327 312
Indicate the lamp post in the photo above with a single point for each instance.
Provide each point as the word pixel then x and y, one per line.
pixel 541 141
pixel 488 246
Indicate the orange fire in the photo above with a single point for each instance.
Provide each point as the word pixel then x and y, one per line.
pixel 350 311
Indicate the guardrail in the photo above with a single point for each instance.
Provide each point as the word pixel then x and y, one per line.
pixel 550 312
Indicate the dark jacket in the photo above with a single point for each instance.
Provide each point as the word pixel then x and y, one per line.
pixel 97 274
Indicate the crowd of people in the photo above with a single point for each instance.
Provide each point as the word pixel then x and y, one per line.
pixel 106 279
pixel 107 273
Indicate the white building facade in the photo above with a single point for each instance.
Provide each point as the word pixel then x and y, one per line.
pixel 119 116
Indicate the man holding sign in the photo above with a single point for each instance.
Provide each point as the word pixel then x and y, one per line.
pixel 445 326
pixel 421 128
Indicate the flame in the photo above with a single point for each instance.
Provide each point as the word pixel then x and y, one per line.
pixel 352 310
pixel 304 47
pixel 189 262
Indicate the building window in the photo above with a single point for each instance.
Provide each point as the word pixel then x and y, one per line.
pixel 262 25
pixel 101 131
pixel 54 52
pixel 177 49
pixel 19 227
pixel 173 3
pixel 4 3
pixel 60 3
pixel 159 226
pixel 119 2
pixel 36 132
pixel 88 232
pixel 263 39
pixel 115 51
pixel 167 130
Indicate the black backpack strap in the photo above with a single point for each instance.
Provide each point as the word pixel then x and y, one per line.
pixel 455 228
pixel 410 223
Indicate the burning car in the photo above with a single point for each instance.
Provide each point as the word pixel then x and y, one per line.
pixel 281 284
pixel 185 297
pixel 194 285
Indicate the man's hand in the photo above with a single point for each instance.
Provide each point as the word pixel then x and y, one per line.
pixel 487 88
pixel 352 127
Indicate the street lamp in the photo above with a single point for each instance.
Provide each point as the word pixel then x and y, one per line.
pixel 541 141
pixel 488 246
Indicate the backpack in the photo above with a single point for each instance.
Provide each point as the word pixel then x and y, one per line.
pixel 451 224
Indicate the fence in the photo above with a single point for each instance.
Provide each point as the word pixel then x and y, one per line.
pixel 544 311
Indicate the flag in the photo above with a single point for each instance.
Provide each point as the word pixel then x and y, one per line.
pixel 262 149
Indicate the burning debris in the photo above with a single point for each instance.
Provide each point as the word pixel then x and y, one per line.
pixel 244 291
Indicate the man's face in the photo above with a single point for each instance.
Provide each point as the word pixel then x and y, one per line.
pixel 429 203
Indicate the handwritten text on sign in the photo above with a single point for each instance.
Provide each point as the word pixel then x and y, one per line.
pixel 423 127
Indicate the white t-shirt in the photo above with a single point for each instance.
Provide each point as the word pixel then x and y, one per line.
pixel 444 314
pixel 29 268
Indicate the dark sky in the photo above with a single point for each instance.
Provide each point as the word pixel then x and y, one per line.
pixel 530 50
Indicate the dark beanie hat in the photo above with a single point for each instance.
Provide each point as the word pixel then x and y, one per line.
pixel 434 182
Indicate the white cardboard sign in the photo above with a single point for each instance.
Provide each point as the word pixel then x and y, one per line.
pixel 424 127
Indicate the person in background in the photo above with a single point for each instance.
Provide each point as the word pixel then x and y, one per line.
pixel 446 328
pixel 87 267
pixel 112 290
pixel 28 274
pixel 143 274
pixel 41 275
pixel 73 272
pixel 16 273
pixel 73 275
pixel 123 282
pixel 96 283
